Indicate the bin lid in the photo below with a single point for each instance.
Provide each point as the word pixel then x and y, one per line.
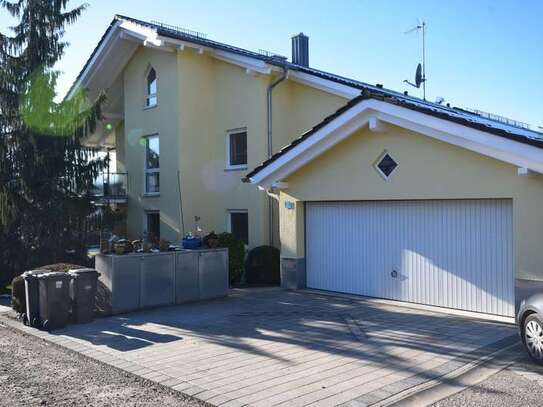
pixel 33 273
pixel 77 272
pixel 56 275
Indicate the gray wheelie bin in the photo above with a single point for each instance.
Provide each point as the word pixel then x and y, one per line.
pixel 55 301
pixel 83 294
pixel 32 298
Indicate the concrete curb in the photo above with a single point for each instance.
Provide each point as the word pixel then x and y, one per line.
pixel 454 382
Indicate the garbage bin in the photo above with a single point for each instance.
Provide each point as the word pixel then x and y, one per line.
pixel 54 300
pixel 83 294
pixel 31 316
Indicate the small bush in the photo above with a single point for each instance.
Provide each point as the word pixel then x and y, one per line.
pixel 18 301
pixel 236 255
pixel 18 297
pixel 262 265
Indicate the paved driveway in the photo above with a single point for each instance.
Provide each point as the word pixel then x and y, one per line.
pixel 273 347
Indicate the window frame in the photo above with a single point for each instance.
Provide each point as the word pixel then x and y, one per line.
pixel 228 165
pixel 381 173
pixel 229 221
pixel 146 214
pixel 149 95
pixel 150 170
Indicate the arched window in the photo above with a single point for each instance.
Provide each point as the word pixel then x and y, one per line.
pixel 151 99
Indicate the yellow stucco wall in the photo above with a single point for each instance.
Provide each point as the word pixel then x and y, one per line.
pixel 140 122
pixel 428 169
pixel 199 99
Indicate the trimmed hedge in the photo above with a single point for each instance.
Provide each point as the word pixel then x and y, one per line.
pixel 18 297
pixel 236 255
pixel 262 265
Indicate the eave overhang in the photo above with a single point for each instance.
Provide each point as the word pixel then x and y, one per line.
pixel 373 114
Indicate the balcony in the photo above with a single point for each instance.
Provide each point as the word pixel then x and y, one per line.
pixel 111 187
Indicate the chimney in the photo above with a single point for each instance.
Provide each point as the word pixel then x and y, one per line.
pixel 300 49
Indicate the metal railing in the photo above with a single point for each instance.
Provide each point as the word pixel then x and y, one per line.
pixel 180 30
pixel 113 185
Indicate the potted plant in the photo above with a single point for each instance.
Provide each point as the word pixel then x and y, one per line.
pixel 164 245
pixel 211 240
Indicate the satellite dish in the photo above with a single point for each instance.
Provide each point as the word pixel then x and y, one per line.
pixel 418 76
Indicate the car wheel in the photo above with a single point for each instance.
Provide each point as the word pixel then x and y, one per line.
pixel 533 337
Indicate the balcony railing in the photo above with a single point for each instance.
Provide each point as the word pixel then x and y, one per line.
pixel 111 186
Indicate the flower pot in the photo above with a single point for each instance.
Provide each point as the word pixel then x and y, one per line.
pixel 192 243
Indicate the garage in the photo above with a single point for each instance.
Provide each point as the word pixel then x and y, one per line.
pixel 412 201
pixel 447 253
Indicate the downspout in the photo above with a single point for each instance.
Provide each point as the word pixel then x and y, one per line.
pixel 270 142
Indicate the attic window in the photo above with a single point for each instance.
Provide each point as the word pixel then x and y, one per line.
pixel 151 99
pixel 386 165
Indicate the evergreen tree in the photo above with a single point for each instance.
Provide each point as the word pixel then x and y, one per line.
pixel 45 171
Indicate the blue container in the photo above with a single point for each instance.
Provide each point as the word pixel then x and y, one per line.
pixel 192 243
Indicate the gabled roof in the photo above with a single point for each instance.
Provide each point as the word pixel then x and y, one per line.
pixel 520 147
pixel 451 114
pixel 313 77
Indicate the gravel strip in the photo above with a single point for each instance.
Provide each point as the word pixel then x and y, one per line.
pixel 520 385
pixel 34 372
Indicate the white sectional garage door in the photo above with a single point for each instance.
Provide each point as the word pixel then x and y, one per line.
pixel 448 253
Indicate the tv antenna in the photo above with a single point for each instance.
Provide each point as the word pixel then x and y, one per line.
pixel 420 73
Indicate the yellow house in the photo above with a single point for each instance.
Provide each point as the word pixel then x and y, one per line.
pixel 390 196
pixel 398 198
pixel 188 117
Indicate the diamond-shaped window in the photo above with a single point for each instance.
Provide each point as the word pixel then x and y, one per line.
pixel 387 165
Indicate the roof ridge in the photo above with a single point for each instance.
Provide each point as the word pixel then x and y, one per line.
pixel 354 83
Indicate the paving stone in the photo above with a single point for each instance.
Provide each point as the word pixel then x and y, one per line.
pixel 268 347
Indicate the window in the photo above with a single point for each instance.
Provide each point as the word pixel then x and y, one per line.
pixel 152 165
pixel 236 149
pixel 238 224
pixel 151 98
pixel 386 165
pixel 153 226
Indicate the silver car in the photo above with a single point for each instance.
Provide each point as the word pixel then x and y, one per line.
pixel 530 323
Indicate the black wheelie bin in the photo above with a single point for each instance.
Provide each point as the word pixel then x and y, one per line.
pixel 55 301
pixel 31 316
pixel 83 294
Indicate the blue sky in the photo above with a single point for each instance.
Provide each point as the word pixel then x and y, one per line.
pixel 480 54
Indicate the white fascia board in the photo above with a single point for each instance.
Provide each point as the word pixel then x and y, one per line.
pixel 253 64
pixel 150 42
pixel 91 66
pixel 488 144
pixel 181 45
pixel 132 36
pixel 325 85
pixel 324 138
pixel 145 32
pixel 500 148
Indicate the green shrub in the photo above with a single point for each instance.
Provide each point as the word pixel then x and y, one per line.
pixel 236 255
pixel 262 265
pixel 18 298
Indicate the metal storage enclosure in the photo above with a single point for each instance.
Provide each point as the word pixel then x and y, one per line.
pixel 448 253
pixel 142 280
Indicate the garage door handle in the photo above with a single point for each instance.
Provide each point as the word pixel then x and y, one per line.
pixel 394 274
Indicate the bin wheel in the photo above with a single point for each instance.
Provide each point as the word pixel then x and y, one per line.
pixel 35 321
pixel 25 319
pixel 45 325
